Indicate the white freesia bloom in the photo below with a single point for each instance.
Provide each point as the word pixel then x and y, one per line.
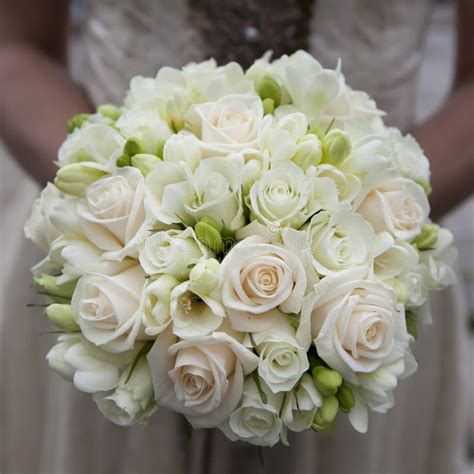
pixel 106 308
pixel 39 227
pixel 282 359
pixel 348 185
pixel 194 314
pixel 202 378
pixel 357 325
pixel 341 240
pixel 155 304
pixel 254 421
pixel 90 368
pixel 182 147
pixel 310 86
pixel 130 402
pixel 113 213
pixel 407 155
pixel 146 125
pixel 93 142
pixel 258 277
pixel 286 196
pixel 440 260
pixel 172 252
pixel 395 259
pixel 417 284
pixel 396 205
pixel 301 404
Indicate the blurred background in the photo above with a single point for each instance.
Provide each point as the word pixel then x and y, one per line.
pixel 435 78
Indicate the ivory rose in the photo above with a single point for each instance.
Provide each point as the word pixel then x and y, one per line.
pixel 202 378
pixel 228 125
pixel 357 325
pixel 106 308
pixel 257 277
pixel 397 205
pixel 113 213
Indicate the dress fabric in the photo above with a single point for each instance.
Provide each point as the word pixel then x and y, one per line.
pixel 53 428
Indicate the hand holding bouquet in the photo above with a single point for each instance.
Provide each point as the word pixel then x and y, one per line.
pixel 251 249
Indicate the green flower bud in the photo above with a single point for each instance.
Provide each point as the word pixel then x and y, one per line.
pixel 209 236
pixel 133 146
pixel 76 121
pixel 123 160
pixel 160 148
pixel 425 185
pixel 61 316
pixel 308 152
pixel 268 106
pixel 268 88
pixel 145 162
pixel 48 284
pixel 412 327
pixel 204 276
pixel 336 147
pixel 327 381
pixel 77 177
pixel 219 226
pixel 109 111
pixel 427 238
pixel 345 397
pixel 400 290
pixel 327 413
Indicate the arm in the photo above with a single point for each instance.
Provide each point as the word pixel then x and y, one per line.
pixel 448 137
pixel 38 96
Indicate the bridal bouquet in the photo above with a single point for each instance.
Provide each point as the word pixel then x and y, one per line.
pixel 251 249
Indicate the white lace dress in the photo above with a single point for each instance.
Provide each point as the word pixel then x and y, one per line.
pixel 55 429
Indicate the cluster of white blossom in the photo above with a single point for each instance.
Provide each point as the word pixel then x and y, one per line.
pixel 251 249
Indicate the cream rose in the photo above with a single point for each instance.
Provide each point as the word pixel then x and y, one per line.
pixel 113 213
pixel 201 378
pixel 228 125
pixel 106 308
pixel 258 277
pixel 254 421
pixel 357 325
pixel 397 205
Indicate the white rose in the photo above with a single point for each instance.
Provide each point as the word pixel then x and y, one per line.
pixel 357 325
pixel 130 402
pixel 285 197
pixel 397 205
pixel 106 308
pixel 90 368
pixel 146 125
pixel 340 240
pixel 228 125
pixel 92 142
pixel 416 281
pixel 194 314
pixel 282 360
pixel 172 252
pixel 155 304
pixel 39 227
pixel 301 404
pixel 256 422
pixel 257 277
pixel 113 213
pixel 408 156
pixel 201 378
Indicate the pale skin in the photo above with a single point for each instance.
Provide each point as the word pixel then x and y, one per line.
pixel 38 96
